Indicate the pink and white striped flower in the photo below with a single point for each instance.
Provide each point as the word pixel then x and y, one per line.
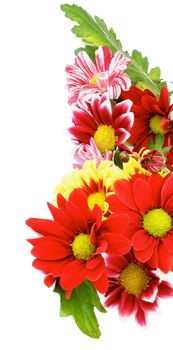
pixel 86 152
pixel 86 78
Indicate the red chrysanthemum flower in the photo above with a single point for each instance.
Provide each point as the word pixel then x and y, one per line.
pixel 134 287
pixel 71 245
pixel 151 116
pixel 106 125
pixel 86 78
pixel 148 202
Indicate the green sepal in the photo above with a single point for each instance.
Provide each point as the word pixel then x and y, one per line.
pixel 158 144
pixel 81 306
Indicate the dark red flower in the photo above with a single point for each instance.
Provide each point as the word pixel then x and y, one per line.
pixel 134 287
pixel 151 116
pixel 148 202
pixel 71 245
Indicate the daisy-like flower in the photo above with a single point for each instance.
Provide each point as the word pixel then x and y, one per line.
pixel 96 181
pixel 109 127
pixel 86 78
pixel 71 245
pixel 151 116
pixel 134 287
pixel 148 202
pixel 86 152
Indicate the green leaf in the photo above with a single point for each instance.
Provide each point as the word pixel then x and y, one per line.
pixel 117 160
pixel 155 74
pixel 89 49
pixel 94 32
pixel 81 307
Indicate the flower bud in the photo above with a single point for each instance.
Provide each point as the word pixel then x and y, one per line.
pixel 124 157
pixel 153 161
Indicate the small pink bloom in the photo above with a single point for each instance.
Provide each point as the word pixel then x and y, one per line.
pixel 86 78
pixel 153 161
pixel 87 152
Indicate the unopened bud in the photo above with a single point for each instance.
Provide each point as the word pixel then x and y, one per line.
pixel 153 161
pixel 124 157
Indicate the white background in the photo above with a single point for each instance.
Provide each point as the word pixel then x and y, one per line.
pixel 35 151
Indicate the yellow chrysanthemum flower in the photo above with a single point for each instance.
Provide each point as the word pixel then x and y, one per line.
pixel 97 182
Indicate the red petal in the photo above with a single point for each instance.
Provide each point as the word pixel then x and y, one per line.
pixel 127 305
pixel 165 259
pixel 169 206
pixel 73 275
pixel 113 298
pixel 115 264
pixel 95 268
pixel 168 242
pixel 102 246
pixel 51 250
pixel 156 182
pixel 124 192
pixel 153 261
pixel 148 306
pixel 165 289
pixel 117 245
pixel 45 266
pixel 167 190
pixel 142 195
pixel 146 254
pixel 79 198
pixel 46 227
pixel 61 201
pixel 164 99
pixel 116 223
pixel 140 317
pixel 49 280
pixel 61 265
pixel 80 222
pixel 115 205
pixel 102 283
pixel 54 211
pixel 141 240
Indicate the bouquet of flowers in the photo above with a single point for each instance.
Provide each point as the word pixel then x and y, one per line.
pixel 111 230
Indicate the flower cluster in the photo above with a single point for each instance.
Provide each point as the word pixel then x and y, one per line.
pixel 112 217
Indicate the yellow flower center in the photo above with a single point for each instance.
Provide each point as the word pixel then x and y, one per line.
pixel 105 138
pixel 157 222
pixel 94 79
pixel 97 198
pixel 82 247
pixel 155 125
pixel 134 279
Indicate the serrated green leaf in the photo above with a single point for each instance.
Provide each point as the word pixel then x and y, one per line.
pixel 143 61
pixel 155 74
pixel 81 307
pixel 91 30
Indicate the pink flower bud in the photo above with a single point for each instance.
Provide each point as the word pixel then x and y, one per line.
pixel 153 161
